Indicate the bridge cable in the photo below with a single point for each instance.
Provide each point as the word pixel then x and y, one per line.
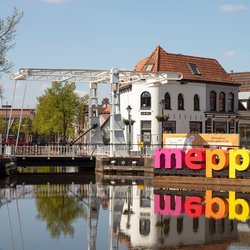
pixel 11 230
pixel 19 220
pixel 21 116
pixel 12 102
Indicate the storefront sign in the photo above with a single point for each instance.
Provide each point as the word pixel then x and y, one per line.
pixel 210 160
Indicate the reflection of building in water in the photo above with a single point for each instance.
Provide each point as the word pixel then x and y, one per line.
pixel 143 228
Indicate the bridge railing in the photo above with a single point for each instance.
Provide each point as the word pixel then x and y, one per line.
pixel 78 150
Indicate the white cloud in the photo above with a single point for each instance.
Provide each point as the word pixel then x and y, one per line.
pixel 230 53
pixel 81 92
pixel 53 1
pixel 229 8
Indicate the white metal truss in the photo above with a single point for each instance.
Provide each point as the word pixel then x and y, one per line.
pixel 93 77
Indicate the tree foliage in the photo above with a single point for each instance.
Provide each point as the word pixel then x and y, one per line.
pixel 7 35
pixel 57 110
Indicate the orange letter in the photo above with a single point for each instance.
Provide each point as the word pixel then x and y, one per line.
pixel 213 211
pixel 213 163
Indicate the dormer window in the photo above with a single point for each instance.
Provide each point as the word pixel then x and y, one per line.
pixel 148 67
pixel 194 69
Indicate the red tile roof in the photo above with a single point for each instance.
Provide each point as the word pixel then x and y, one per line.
pixel 210 69
pixel 242 78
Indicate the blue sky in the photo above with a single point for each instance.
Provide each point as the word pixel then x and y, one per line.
pixel 101 34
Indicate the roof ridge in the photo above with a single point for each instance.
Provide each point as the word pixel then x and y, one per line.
pixel 179 54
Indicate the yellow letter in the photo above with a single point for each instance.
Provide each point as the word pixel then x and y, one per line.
pixel 234 205
pixel 211 161
pixel 234 161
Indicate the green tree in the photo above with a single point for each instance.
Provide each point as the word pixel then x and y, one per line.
pixel 7 35
pixel 56 110
pixel 2 125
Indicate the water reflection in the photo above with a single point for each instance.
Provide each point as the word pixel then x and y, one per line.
pixel 102 216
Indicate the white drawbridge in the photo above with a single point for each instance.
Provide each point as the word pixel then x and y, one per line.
pixel 94 77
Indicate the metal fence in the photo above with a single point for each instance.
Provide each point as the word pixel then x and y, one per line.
pixel 91 150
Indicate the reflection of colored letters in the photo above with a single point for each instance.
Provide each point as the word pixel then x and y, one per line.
pixel 209 206
pixel 196 159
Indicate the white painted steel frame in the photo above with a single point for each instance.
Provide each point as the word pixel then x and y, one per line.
pixel 95 77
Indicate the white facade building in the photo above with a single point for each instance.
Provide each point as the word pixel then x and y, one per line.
pixel 204 101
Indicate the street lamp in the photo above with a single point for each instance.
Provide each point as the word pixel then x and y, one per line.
pixel 129 126
pixel 162 103
pixel 6 106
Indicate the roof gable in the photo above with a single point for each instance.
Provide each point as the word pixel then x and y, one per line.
pixel 210 70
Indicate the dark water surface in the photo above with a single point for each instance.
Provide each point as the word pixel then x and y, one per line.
pixel 91 215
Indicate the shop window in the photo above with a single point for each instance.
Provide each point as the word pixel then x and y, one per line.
pixel 230 102
pixel 195 127
pixel 221 225
pixel 196 103
pixel 146 132
pixel 167 101
pixel 208 125
pixel 222 102
pixel 212 101
pixel 169 127
pixel 220 127
pixel 180 102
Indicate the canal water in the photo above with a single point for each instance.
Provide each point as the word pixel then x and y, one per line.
pixel 58 213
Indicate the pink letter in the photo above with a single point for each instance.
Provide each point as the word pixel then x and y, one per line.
pixel 167 204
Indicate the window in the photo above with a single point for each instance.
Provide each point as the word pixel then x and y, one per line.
pixel 208 125
pixel 196 103
pixel 230 102
pixel 221 102
pixel 180 102
pixel 148 67
pixel 212 101
pixel 144 227
pixel 195 127
pixel 179 225
pixel 220 127
pixel 194 69
pixel 167 101
pixel 195 225
pixel 146 132
pixel 145 100
pixel 169 127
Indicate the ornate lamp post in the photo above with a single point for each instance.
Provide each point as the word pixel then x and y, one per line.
pixel 129 126
pixel 162 103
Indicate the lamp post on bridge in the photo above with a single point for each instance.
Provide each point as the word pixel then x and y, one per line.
pixel 162 103
pixel 129 127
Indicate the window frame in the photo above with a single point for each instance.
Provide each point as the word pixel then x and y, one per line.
pixel 213 100
pixel 167 99
pixel 222 102
pixel 145 100
pixel 196 103
pixel 180 102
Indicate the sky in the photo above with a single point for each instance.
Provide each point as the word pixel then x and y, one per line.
pixel 102 34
